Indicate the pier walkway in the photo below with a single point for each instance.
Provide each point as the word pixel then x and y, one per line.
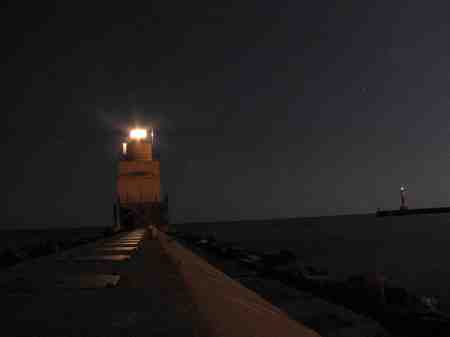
pixel 139 283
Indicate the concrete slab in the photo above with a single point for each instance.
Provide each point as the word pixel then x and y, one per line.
pixel 133 236
pixel 127 240
pixel 118 257
pixel 124 245
pixel 87 281
pixel 116 249
pixel 121 243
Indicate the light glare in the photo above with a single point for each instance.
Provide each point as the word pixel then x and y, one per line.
pixel 138 134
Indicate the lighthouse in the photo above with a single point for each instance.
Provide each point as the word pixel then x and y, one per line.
pixel 138 181
pixel 403 205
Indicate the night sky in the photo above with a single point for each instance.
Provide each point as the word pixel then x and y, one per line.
pixel 264 109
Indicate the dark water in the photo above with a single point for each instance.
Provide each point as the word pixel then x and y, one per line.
pixel 412 250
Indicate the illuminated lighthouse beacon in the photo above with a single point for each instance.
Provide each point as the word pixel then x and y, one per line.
pixel 138 182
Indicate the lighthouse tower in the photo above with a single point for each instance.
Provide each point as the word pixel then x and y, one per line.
pixel 138 181
pixel 403 204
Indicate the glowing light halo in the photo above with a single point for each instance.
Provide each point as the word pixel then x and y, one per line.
pixel 138 134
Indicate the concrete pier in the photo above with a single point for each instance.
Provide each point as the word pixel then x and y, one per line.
pixel 134 284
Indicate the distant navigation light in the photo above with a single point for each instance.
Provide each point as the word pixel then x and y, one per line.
pixel 402 188
pixel 138 134
pixel 124 149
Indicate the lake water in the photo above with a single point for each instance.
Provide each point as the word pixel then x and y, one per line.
pixel 412 250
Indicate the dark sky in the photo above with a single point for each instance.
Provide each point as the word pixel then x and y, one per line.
pixel 264 108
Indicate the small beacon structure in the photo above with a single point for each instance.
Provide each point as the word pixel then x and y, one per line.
pixel 138 182
pixel 403 204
